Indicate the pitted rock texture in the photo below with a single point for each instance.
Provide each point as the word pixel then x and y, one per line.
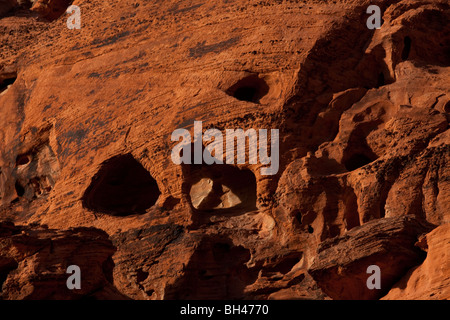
pixel 34 260
pixel 85 148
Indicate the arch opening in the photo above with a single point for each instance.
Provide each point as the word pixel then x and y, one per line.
pixel 121 187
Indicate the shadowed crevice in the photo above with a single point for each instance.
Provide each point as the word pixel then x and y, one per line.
pixel 6 81
pixel 406 48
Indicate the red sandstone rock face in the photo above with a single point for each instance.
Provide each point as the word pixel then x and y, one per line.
pixel 85 149
pixel 429 280
pixel 34 262
pixel 340 267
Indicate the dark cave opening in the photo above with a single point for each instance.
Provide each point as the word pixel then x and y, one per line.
pixel 219 188
pixel 222 188
pixel 246 94
pixel 251 89
pixel 121 187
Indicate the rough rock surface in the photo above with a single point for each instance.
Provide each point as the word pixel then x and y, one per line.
pixel 85 149
pixel 340 267
pixel 34 260
pixel 429 280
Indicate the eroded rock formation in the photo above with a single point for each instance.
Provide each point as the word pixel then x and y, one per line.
pixel 34 261
pixel 86 175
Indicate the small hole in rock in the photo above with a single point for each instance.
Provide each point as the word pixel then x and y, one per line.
pixel 6 82
pixel 22 160
pixel 447 107
pixel 20 190
pixel 310 229
pixel 141 275
pixel 121 187
pixel 251 89
pixel 406 48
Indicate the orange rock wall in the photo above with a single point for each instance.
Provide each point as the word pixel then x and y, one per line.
pixel 363 117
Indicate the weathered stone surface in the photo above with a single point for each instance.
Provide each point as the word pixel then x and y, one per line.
pixel 142 252
pixel 34 261
pixel 340 267
pixel 87 116
pixel 50 9
pixel 430 280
